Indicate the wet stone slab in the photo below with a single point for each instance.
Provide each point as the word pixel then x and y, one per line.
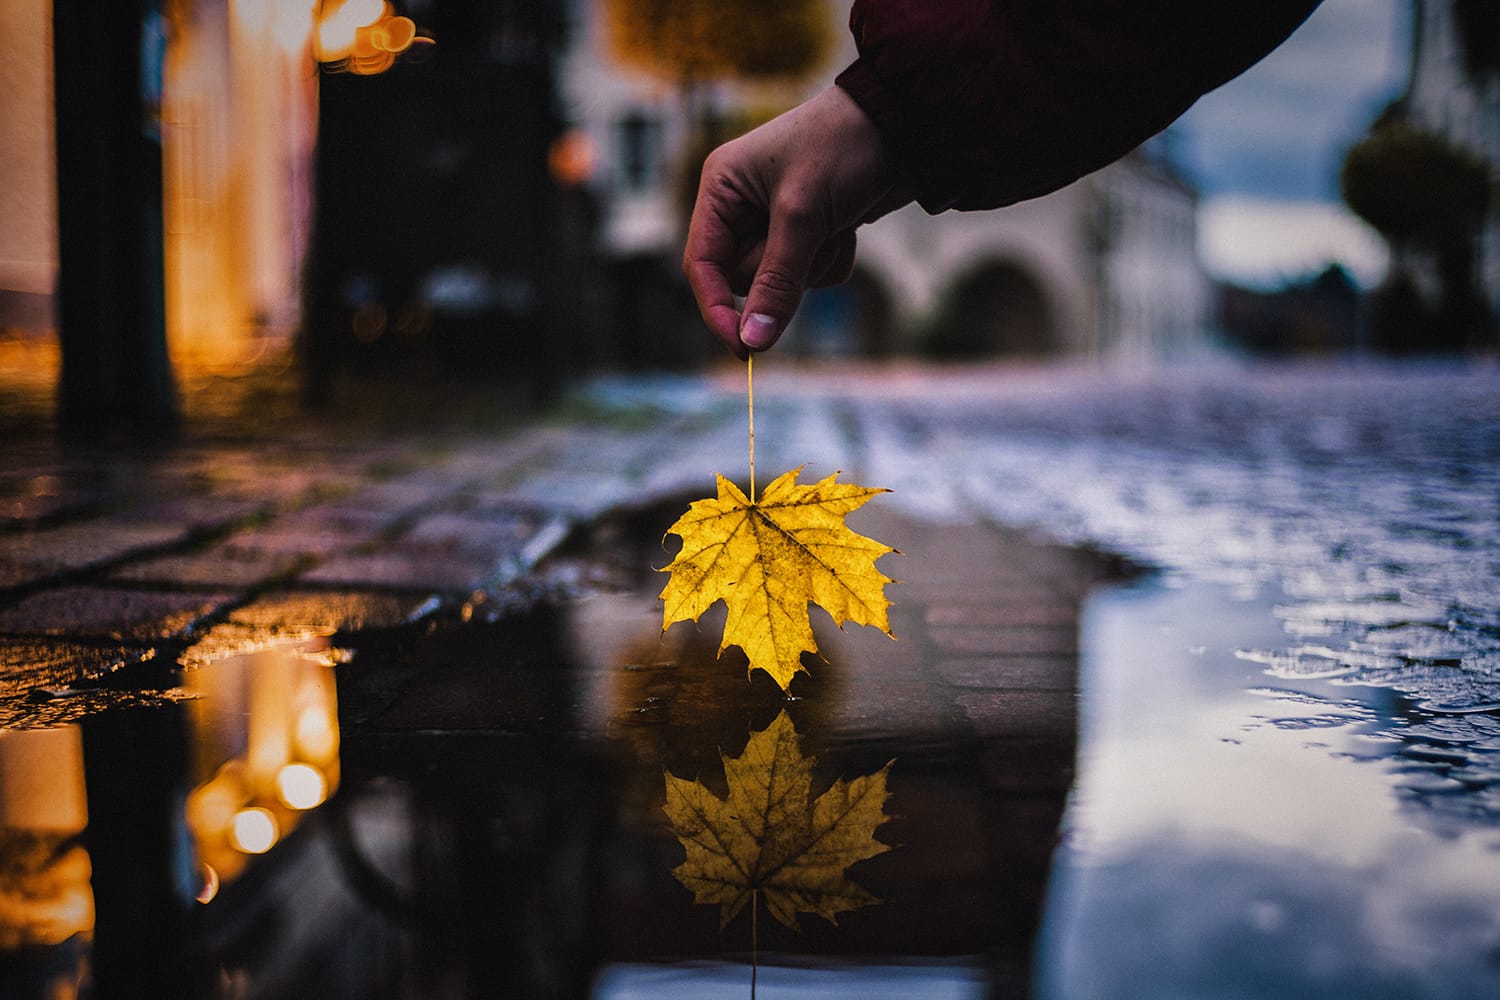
pixel 999 640
pixel 334 610
pixel 38 662
pixel 230 565
pixel 1036 673
pixel 83 546
pixel 501 764
pixel 983 746
pixel 116 612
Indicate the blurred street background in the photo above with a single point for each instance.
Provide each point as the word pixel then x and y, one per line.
pixel 348 384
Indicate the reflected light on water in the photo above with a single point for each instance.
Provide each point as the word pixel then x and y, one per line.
pixel 254 830
pixel 210 887
pixel 301 786
pixel 701 979
pixel 45 892
pixel 316 734
pixel 44 896
pixel 265 741
pixel 1275 836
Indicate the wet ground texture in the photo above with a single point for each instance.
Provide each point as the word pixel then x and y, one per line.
pixel 456 634
pixel 382 708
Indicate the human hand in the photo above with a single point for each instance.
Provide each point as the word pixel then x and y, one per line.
pixel 776 213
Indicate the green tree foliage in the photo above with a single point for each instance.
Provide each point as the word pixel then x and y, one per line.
pixel 1427 196
pixel 1415 188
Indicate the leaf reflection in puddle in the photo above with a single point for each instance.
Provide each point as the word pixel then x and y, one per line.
pixel 771 837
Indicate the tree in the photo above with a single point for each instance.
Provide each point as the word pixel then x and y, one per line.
pixel 692 43
pixel 687 42
pixel 1426 197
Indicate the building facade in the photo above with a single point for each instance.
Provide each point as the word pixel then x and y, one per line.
pixel 1107 267
pixel 236 118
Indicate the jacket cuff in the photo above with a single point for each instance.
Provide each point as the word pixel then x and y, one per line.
pixel 864 87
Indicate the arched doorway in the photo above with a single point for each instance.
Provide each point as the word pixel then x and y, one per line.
pixel 852 319
pixel 996 309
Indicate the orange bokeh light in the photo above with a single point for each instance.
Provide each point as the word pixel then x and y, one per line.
pixel 364 36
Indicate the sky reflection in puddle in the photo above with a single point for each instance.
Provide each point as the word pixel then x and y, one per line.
pixel 1239 830
pixel 700 980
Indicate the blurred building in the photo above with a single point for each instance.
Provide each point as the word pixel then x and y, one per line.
pixel 1321 314
pixel 235 111
pixel 435 207
pixel 28 239
pixel 435 244
pixel 239 127
pixel 1454 90
pixel 1107 267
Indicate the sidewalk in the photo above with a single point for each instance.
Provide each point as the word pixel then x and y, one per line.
pixel 121 574
pixel 114 561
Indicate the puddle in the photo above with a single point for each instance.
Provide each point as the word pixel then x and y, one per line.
pixel 477 806
pixel 1241 829
pixel 132 837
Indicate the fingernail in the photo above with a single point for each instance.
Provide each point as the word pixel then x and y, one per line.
pixel 758 331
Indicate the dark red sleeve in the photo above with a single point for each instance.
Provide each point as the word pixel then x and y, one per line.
pixel 990 102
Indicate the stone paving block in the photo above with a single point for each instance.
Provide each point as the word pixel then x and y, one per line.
pixel 1028 714
pixel 1022 640
pixel 435 477
pixel 476 464
pixel 448 551
pixel 227 565
pixel 229 638
pixel 313 533
pixel 124 613
pixel 334 611
pixel 242 478
pixel 33 662
pixel 406 569
pixel 396 497
pixel 301 614
pixel 472 532
pixel 74 547
pixel 583 493
pixel 28 497
pixel 199 513
pixel 1033 673
pixel 964 610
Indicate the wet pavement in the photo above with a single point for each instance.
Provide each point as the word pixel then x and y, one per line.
pixel 384 709
pixel 388 715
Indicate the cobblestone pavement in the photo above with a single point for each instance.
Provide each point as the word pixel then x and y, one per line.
pixel 490 578
pixel 122 574
pixel 118 566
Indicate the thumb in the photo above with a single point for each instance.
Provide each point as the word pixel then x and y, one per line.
pixel 779 281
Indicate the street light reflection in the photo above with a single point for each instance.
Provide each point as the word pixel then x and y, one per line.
pixel 301 786
pixel 46 899
pixel 265 743
pixel 254 830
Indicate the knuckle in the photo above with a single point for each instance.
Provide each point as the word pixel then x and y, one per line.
pixel 778 282
pixel 794 208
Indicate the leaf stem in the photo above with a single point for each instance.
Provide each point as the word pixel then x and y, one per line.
pixel 750 394
pixel 754 938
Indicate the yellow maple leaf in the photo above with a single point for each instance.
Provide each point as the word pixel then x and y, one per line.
pixel 771 837
pixel 767 558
